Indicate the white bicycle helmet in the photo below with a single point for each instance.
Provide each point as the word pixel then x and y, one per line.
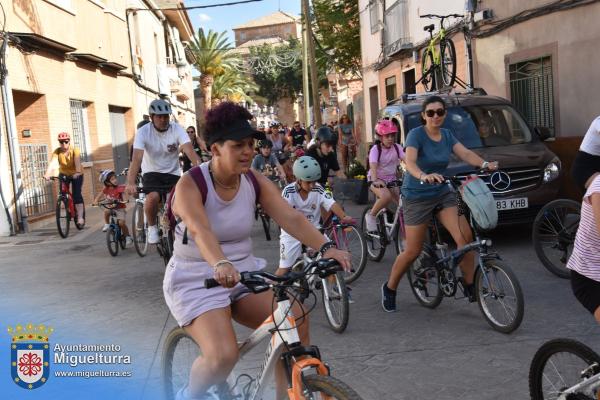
pixel 105 175
pixel 159 107
pixel 307 169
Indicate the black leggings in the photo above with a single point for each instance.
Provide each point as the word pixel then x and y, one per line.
pixel 76 184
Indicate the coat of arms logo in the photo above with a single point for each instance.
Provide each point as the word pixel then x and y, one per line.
pixel 30 355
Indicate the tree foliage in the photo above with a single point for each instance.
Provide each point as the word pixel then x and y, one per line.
pixel 281 81
pixel 233 85
pixel 337 29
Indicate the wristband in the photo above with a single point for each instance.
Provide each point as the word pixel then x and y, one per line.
pixel 484 165
pixel 326 246
pixel 221 262
pixel 421 176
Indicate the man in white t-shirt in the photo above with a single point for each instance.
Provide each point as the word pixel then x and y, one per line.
pixel 586 165
pixel 306 196
pixel 156 148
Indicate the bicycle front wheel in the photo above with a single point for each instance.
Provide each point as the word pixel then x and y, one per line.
pixel 179 353
pixel 559 365
pixel 374 244
pixel 63 217
pixel 424 281
pixel 139 230
pixel 111 241
pixel 350 239
pixel 448 61
pixel 335 300
pixel 553 235
pixel 327 387
pixel 499 296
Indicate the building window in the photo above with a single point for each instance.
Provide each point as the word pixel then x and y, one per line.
pixel 390 88
pixel 532 91
pixel 374 7
pixel 79 122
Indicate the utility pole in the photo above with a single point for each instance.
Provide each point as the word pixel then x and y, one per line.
pixel 313 65
pixel 305 82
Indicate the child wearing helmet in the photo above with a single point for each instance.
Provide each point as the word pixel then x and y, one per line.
pixel 384 158
pixel 113 191
pixel 306 196
pixel 323 151
pixel 266 163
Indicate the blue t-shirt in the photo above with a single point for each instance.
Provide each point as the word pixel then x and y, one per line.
pixel 432 157
pixel 260 163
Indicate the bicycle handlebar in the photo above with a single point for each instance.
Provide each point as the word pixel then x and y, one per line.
pixel 110 204
pixel 256 281
pixel 391 184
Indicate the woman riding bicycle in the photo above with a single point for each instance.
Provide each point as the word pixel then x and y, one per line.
pixel 384 160
pixel 428 150
pixel 69 166
pixel 221 226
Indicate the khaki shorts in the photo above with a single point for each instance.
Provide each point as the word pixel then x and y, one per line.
pixel 420 211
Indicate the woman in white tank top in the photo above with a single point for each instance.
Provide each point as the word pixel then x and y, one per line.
pixel 219 227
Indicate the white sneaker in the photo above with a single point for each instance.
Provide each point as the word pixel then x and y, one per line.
pixel 153 237
pixel 371 223
pixel 105 227
pixel 182 394
pixel 128 241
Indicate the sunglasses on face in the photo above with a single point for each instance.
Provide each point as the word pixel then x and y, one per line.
pixel 440 112
pixel 191 132
pixel 64 141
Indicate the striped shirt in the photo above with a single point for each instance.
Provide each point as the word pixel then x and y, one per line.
pixel 586 253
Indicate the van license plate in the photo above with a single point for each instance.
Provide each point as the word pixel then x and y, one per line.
pixel 512 204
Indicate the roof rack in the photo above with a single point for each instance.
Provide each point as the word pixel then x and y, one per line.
pixel 447 91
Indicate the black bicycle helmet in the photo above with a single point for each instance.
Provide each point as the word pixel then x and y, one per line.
pixel 265 143
pixel 324 135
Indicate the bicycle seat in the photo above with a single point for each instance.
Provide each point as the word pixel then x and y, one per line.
pixel 429 28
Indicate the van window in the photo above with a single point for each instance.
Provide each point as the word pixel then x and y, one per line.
pixel 482 126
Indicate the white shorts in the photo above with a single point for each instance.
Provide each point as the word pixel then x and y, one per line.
pixel 290 250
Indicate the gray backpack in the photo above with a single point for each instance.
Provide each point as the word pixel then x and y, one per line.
pixel 478 197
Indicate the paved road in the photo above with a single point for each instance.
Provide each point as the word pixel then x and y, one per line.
pixel 415 353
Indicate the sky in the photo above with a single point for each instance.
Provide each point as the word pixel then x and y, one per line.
pixel 227 17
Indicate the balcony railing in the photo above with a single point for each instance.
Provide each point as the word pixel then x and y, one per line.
pixel 396 34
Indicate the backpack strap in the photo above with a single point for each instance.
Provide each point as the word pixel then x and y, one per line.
pixel 200 181
pixel 378 151
pixel 397 151
pixel 255 185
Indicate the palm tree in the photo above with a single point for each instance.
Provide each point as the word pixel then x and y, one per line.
pixel 232 85
pixel 213 58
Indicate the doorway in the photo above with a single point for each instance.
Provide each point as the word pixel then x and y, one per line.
pixel 409 81
pixel 119 139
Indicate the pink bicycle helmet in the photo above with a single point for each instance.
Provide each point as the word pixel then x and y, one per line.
pixel 385 127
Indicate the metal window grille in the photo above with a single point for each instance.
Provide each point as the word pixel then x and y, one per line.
pixel 79 123
pixel 37 193
pixel 531 91
pixel 390 88
pixel 374 15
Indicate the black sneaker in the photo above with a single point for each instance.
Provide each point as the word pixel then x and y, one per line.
pixel 470 293
pixel 388 298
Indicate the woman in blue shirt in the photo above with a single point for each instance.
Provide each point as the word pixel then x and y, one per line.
pixel 428 150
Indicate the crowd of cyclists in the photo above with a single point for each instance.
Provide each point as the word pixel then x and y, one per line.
pixel 239 163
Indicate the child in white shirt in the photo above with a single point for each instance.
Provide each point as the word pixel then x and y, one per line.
pixel 306 196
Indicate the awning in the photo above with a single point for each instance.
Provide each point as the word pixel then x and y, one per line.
pixel 33 41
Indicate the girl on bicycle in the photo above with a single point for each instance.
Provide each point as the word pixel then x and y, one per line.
pixel 220 227
pixel 69 165
pixel 306 196
pixel 428 150
pixel 113 191
pixel 347 139
pixel 384 160
pixel 584 262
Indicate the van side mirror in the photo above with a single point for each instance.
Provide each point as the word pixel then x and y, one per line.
pixel 542 132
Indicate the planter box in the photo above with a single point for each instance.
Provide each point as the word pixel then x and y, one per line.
pixel 350 189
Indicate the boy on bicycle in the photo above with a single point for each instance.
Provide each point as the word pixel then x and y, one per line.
pixel 306 196
pixel 384 158
pixel 115 192
pixel 266 163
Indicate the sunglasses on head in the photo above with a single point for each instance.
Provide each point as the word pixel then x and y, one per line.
pixel 440 112
pixel 63 141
